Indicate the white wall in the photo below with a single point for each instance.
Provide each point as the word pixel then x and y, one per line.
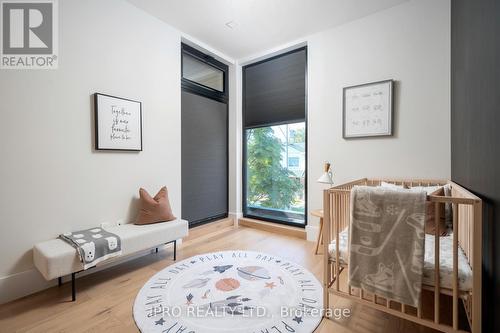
pixel 409 43
pixel 51 179
pixel 235 134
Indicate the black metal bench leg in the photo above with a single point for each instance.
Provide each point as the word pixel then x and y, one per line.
pixel 175 250
pixel 73 287
pixel 156 250
pixel 59 281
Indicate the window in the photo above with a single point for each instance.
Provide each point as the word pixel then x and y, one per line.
pixel 275 188
pixel 204 132
pixel 202 73
pixel 275 156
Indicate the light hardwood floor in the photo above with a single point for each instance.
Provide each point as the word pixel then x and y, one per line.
pixel 105 298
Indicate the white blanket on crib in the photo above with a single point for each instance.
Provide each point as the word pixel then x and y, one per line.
pixel 386 250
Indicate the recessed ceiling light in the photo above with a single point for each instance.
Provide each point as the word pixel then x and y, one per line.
pixel 231 24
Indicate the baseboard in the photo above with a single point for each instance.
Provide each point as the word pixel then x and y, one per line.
pixel 273 227
pixel 209 228
pixel 22 284
pixel 312 232
pixel 25 283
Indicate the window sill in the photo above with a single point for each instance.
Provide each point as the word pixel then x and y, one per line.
pixel 273 227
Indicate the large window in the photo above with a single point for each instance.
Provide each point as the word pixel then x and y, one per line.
pixel 275 140
pixel 204 127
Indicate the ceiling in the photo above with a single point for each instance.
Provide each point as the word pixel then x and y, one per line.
pixel 258 24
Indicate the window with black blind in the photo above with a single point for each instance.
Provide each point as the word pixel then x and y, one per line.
pixel 204 119
pixel 275 138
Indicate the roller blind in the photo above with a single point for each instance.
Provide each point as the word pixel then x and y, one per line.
pixel 274 90
pixel 204 158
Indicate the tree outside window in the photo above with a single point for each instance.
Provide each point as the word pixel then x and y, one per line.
pixel 272 181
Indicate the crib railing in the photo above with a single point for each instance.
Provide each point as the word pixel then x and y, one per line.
pixel 467 234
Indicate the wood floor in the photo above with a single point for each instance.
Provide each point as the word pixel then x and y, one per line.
pixel 105 299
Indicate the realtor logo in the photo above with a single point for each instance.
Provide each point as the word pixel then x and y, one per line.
pixel 29 34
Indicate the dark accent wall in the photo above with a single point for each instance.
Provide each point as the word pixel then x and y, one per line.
pixel 475 128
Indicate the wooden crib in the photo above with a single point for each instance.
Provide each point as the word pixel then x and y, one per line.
pixel 466 238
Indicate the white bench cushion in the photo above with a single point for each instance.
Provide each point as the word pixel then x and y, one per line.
pixel 55 258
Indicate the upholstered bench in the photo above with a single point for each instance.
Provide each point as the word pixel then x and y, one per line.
pixel 56 258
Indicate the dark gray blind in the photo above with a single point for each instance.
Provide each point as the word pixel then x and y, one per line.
pixel 274 91
pixel 204 158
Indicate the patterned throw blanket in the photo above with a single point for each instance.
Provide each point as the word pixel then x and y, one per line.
pixel 387 242
pixel 94 245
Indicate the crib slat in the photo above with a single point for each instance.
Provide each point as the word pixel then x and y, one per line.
pixel 326 240
pixel 455 266
pixel 436 263
pixel 477 244
pixel 346 211
pixel 419 309
pixel 337 240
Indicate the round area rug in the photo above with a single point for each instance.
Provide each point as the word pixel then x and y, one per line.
pixel 231 291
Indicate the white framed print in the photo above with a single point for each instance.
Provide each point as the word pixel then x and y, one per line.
pixel 118 123
pixel 368 110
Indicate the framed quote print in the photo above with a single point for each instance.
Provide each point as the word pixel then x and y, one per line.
pixel 118 123
pixel 368 110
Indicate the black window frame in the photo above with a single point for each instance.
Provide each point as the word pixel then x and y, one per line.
pixel 244 146
pixel 223 97
pixel 200 89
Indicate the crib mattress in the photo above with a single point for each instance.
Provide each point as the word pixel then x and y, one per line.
pixel 445 258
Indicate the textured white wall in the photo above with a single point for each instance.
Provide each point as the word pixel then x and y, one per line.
pixel 51 179
pixel 409 43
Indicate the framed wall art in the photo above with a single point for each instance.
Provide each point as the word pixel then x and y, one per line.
pixel 118 123
pixel 368 110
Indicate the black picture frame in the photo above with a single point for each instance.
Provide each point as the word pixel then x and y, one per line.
pixel 97 142
pixel 390 112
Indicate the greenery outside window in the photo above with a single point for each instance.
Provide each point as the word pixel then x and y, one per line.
pixel 275 177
